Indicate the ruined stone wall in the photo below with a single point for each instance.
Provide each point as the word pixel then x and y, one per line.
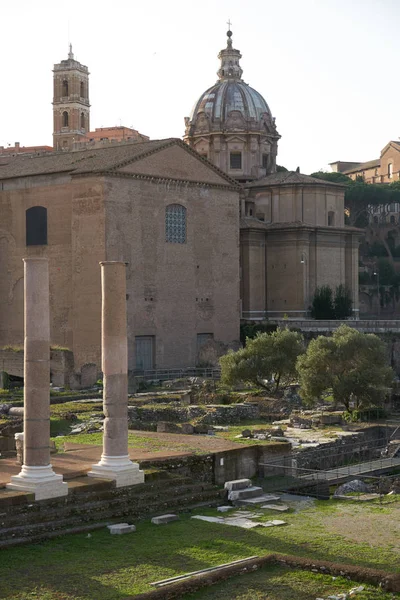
pixel 211 414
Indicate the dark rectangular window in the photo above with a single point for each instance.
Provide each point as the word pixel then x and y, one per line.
pixel 36 226
pixel 265 161
pixel 235 160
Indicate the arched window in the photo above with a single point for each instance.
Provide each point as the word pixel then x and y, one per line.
pixel 175 224
pixel 390 170
pixel 82 120
pixel 65 88
pixel 82 92
pixel 65 119
pixel 36 226
pixel 331 218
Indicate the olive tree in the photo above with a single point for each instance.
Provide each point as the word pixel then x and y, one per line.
pixel 349 365
pixel 267 356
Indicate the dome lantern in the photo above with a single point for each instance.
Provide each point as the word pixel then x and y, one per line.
pixel 230 67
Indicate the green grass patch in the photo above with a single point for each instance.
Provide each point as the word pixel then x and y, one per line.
pixel 148 444
pixel 105 567
pixel 275 582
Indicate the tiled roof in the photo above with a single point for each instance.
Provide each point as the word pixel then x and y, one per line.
pixel 290 178
pixel 82 161
pixel 370 164
pixel 95 160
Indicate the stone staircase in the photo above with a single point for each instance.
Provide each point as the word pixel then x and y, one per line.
pixel 93 503
pixel 241 492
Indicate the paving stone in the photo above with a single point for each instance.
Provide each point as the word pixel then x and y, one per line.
pixel 237 484
pixel 224 508
pixel 121 528
pixel 164 519
pixel 248 492
pixel 274 523
pixel 239 522
pixel 256 500
pixel 278 507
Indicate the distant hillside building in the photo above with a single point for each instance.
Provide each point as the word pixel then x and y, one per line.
pixel 384 169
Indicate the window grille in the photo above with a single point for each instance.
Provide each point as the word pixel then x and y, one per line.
pixel 175 224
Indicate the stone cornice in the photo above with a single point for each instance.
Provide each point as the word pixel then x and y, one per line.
pixel 154 179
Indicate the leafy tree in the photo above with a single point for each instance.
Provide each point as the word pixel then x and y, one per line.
pixel 322 305
pixel 280 168
pixel 264 357
pixel 333 177
pixel 343 303
pixel 351 366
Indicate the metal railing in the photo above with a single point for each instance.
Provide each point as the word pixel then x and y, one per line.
pixel 330 475
pixel 184 373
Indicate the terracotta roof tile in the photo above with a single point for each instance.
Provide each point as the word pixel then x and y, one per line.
pixel 290 178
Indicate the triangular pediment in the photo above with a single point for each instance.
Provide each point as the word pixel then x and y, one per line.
pixel 200 140
pixel 390 146
pixel 235 138
pixel 177 162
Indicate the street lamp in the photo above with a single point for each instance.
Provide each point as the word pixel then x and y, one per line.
pixel 376 273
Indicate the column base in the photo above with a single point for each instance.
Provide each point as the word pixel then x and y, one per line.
pixel 119 469
pixel 41 481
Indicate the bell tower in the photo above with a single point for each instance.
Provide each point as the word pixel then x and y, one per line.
pixel 71 108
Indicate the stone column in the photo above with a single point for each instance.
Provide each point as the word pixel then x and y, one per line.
pixel 115 463
pixel 37 475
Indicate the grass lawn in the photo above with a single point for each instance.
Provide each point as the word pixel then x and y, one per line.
pixel 278 583
pixel 105 567
pixel 150 444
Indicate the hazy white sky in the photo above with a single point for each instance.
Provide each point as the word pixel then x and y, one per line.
pixel 327 68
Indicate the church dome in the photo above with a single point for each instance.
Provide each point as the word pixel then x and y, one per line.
pixel 231 95
pixel 231 123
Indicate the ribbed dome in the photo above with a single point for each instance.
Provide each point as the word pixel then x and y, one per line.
pixel 231 95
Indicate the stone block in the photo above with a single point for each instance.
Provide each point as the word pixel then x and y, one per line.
pixel 256 500
pixel 252 491
pixel 277 507
pixel 88 375
pixel 185 399
pixel 163 519
pixel 224 508
pixel 166 427
pixel 121 528
pixel 237 484
pixel 187 428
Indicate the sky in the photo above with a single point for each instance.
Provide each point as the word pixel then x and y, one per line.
pixel 327 68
